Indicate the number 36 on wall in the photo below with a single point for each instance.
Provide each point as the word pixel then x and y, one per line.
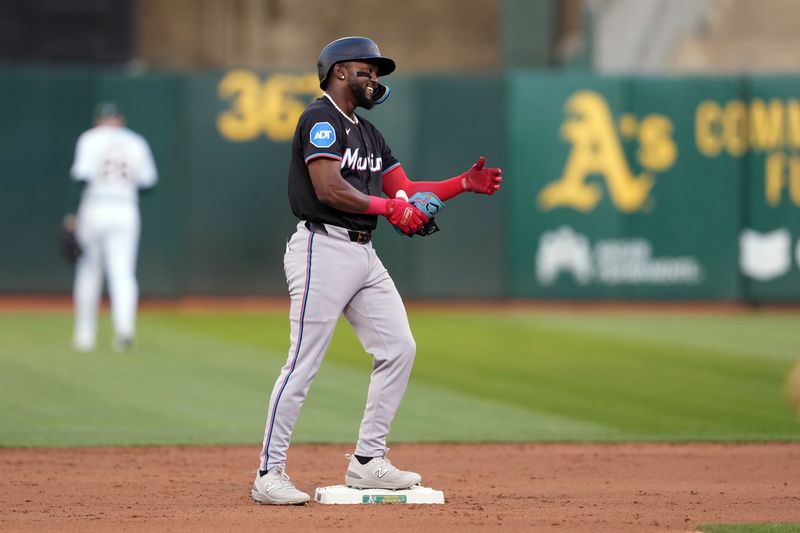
pixel 272 107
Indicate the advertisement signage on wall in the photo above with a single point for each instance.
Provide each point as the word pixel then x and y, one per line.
pixel 614 187
pixel 770 234
pixel 612 198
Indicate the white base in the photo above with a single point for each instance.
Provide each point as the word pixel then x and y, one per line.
pixel 341 494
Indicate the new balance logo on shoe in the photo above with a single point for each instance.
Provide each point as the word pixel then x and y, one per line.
pixel 379 473
pixel 275 488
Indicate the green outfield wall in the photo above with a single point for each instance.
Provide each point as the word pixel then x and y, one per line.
pixel 771 162
pixel 610 200
pixel 615 187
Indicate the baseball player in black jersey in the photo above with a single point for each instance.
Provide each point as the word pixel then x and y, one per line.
pixel 340 170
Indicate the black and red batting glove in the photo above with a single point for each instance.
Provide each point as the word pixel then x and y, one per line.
pixel 405 216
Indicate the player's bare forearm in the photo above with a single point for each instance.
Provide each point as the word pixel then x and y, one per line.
pixel 332 190
pixel 342 196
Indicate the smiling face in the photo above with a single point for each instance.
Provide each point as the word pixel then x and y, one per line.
pixel 362 79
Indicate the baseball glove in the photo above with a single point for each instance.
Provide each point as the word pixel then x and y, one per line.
pixel 69 244
pixel 431 205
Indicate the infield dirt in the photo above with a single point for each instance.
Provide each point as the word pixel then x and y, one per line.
pixel 509 487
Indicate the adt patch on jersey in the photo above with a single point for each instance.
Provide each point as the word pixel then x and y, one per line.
pixel 323 135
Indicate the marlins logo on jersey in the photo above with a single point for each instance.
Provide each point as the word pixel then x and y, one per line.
pixel 352 161
pixel 323 135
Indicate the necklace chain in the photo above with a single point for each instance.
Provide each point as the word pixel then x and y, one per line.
pixel 352 120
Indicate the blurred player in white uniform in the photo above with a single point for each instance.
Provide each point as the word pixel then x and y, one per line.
pixel 112 163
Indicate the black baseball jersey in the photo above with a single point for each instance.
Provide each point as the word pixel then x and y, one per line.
pixel 323 131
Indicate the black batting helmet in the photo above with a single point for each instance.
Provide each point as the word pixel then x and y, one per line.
pixel 351 49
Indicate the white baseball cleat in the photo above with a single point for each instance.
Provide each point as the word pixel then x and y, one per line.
pixel 275 488
pixel 379 473
pixel 82 344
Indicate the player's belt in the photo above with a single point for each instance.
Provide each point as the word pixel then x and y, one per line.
pixel 361 237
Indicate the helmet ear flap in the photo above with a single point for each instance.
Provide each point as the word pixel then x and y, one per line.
pixel 381 94
pixel 323 82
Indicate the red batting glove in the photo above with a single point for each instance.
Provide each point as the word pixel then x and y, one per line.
pixel 399 212
pixel 482 180
pixel 404 216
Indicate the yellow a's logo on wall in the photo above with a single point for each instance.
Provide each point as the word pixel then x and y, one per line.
pixel 597 150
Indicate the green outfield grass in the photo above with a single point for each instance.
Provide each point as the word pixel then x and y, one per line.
pixel 479 376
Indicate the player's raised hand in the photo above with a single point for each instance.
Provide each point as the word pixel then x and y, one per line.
pixel 405 216
pixel 480 179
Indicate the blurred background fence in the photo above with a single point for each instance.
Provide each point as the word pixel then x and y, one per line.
pixel 638 165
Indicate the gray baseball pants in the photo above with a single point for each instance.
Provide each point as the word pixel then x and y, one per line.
pixel 329 275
